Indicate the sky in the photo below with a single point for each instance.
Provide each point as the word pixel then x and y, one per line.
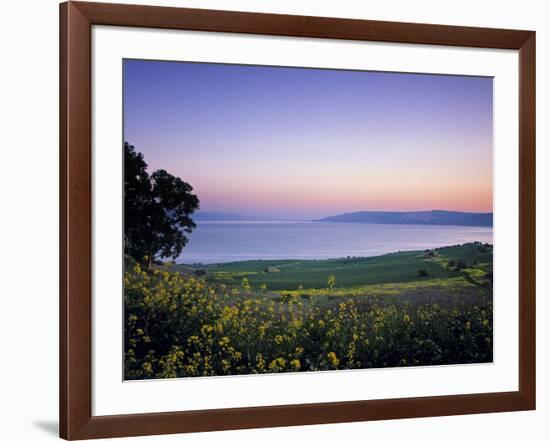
pixel 302 143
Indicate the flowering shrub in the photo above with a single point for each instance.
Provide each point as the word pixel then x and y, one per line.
pixel 178 326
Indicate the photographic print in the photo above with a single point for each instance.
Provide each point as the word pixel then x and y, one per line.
pixel 285 219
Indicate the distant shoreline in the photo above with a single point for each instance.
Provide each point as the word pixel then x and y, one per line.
pixel 276 261
pixel 426 217
pixel 317 221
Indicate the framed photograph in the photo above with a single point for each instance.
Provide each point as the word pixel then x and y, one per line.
pixel 272 220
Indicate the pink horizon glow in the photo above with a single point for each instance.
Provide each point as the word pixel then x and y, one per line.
pixel 307 143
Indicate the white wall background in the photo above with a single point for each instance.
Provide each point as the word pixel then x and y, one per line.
pixel 29 219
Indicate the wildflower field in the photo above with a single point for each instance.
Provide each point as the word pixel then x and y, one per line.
pixel 412 308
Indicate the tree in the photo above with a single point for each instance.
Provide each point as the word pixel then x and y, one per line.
pixel 157 210
pixel 460 264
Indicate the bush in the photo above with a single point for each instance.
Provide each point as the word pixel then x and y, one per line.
pixel 461 264
pixel 184 327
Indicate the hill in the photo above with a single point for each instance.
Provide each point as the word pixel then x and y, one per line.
pixel 433 217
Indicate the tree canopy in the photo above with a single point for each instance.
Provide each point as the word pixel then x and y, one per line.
pixel 157 210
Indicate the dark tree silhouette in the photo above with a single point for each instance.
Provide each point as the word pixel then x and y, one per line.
pixel 460 264
pixel 157 210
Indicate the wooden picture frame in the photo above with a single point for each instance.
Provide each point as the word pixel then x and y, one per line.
pixel 76 21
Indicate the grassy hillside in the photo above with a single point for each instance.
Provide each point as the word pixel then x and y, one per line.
pixel 401 267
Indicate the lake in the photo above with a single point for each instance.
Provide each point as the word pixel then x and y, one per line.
pixel 229 241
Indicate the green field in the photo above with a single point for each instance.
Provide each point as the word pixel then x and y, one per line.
pixel 451 266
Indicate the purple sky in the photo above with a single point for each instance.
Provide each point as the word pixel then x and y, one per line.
pixel 304 143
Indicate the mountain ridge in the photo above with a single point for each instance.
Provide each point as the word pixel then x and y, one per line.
pixel 428 217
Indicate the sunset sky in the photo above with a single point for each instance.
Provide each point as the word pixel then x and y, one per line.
pixel 293 143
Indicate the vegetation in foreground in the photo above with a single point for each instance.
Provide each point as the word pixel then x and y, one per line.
pixel 416 308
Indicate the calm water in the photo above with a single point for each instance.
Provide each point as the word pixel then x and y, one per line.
pixel 213 242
